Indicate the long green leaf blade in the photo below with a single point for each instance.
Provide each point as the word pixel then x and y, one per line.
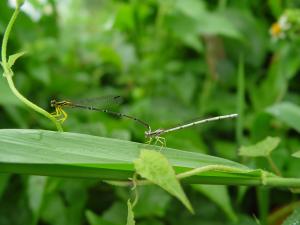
pixel 49 153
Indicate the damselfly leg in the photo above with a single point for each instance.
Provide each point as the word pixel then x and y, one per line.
pixel 59 113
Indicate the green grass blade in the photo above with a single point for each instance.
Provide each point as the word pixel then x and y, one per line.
pixel 49 153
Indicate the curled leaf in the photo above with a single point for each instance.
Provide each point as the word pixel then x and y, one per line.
pixel 13 58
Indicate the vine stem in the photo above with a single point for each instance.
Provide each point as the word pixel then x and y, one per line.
pixel 31 104
pixel 264 180
pixel 5 39
pixel 8 73
pixel 273 166
pixel 210 168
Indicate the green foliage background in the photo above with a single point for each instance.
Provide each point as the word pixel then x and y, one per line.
pixel 171 60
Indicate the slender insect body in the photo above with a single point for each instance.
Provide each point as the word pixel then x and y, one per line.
pixel 61 115
pixel 159 132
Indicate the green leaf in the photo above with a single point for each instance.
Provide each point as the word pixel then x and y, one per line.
pixel 13 58
pixel 216 24
pixel 35 191
pixel 153 166
pixel 152 221
pixel 4 180
pixel 49 153
pixel 116 214
pixel 293 219
pixel 288 113
pixel 124 18
pixel 153 202
pixel 260 149
pixel 276 7
pixel 296 154
pixel 54 210
pixel 191 40
pixel 130 216
pixel 94 219
pixel 192 8
pixel 220 196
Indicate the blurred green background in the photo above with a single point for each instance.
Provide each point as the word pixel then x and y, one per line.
pixel 171 61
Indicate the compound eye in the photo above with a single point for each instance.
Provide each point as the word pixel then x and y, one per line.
pixel 52 103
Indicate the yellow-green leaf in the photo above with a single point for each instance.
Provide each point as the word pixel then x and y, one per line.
pixel 130 215
pixel 153 166
pixel 260 149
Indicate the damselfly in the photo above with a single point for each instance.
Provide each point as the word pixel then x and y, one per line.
pixel 157 133
pixel 61 115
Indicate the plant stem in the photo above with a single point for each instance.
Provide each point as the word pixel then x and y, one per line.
pixel 5 40
pixel 240 101
pixel 263 202
pixel 31 104
pixel 134 190
pixel 210 168
pixel 273 166
pixel 8 73
pixel 282 182
pixel 263 180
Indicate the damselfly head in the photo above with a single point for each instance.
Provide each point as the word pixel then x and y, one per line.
pixel 53 103
pixel 147 133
